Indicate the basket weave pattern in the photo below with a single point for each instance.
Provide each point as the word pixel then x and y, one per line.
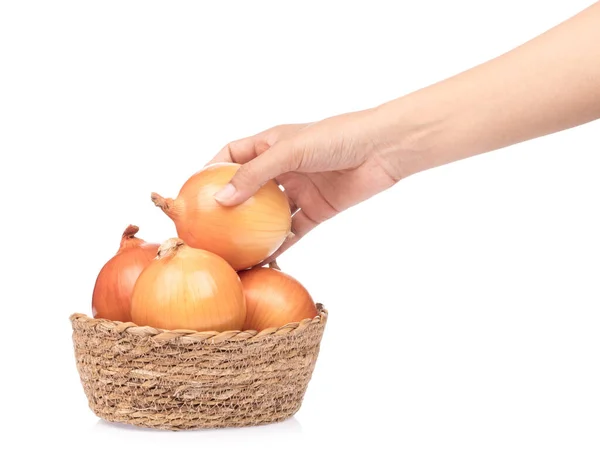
pixel 181 379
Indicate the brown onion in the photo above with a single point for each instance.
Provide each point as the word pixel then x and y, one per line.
pixel 274 299
pixel 114 285
pixel 187 288
pixel 244 235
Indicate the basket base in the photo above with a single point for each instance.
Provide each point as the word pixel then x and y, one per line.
pixel 187 422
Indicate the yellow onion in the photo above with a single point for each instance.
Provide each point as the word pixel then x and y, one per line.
pixel 114 285
pixel 245 234
pixel 274 299
pixel 187 288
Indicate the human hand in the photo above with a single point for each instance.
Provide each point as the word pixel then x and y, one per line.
pixel 331 165
pixel 324 167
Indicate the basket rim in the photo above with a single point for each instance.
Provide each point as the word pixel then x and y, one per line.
pixel 147 331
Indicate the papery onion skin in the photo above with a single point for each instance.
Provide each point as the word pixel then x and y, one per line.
pixel 274 299
pixel 244 235
pixel 187 288
pixel 115 282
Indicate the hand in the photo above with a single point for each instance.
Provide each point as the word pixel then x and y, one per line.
pixel 331 165
pixel 324 167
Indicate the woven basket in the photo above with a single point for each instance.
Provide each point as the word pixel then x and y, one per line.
pixel 181 379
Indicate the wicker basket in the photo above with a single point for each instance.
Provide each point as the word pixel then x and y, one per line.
pixel 181 379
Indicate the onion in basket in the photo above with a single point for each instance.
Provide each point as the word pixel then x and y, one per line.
pixel 243 235
pixel 114 285
pixel 187 288
pixel 274 299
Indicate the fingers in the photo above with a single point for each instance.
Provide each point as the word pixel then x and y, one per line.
pixel 240 151
pixel 252 175
pixel 293 206
pixel 243 150
pixel 283 181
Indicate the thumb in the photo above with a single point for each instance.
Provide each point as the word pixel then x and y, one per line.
pixel 277 160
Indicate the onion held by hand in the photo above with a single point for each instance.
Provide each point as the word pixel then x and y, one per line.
pixel 114 285
pixel 274 299
pixel 186 288
pixel 244 235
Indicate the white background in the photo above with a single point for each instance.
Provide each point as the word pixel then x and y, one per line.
pixel 464 303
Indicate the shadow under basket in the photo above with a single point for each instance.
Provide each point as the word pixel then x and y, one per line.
pixel 182 379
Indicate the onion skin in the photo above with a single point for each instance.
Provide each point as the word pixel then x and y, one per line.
pixel 244 235
pixel 115 282
pixel 187 288
pixel 274 299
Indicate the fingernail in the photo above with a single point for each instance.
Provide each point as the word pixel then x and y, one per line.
pixel 226 193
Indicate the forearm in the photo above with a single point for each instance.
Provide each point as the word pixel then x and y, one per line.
pixel 549 84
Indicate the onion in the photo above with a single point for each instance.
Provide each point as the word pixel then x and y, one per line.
pixel 244 235
pixel 274 299
pixel 114 285
pixel 186 288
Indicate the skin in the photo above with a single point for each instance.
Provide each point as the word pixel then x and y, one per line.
pixel 547 85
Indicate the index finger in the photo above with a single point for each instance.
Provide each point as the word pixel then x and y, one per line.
pixel 239 151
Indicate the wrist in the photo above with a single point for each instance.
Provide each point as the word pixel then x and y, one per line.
pixel 410 135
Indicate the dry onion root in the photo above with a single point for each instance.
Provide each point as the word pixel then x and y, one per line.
pixel 115 282
pixel 187 288
pixel 243 235
pixel 274 298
